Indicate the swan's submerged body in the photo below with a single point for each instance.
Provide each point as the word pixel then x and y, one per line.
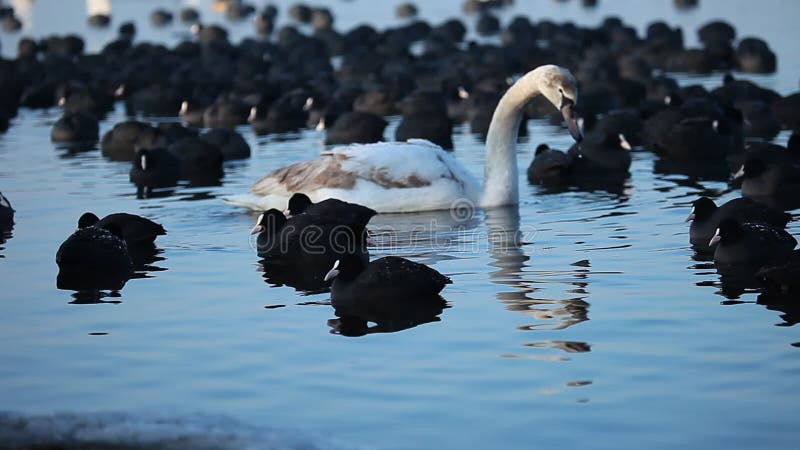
pixel 418 175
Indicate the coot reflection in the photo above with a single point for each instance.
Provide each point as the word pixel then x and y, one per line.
pixel 377 315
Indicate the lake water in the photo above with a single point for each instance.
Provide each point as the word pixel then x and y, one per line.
pixel 600 330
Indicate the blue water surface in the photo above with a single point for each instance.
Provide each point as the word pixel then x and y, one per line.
pixel 582 319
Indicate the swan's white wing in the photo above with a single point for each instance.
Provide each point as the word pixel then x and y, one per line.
pixel 388 177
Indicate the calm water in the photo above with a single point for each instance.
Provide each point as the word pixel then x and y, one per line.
pixel 599 330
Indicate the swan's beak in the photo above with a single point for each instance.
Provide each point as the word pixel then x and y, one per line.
pixel 570 119
pixel 257 229
pixel 715 239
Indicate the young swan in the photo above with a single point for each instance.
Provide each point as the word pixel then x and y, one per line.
pixel 417 175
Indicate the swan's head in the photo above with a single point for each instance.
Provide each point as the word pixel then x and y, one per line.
pixel 559 86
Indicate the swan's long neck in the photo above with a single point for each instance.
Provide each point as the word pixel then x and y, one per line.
pixel 501 180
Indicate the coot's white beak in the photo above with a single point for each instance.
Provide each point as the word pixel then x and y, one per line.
pixel 739 173
pixel 691 216
pixel 253 113
pixel 715 239
pixel 184 107
pixel 257 229
pixel 333 273
pixel 624 143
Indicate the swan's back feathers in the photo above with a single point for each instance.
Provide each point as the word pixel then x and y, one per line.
pixel 303 176
pixel 371 173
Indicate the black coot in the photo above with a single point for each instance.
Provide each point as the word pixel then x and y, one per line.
pixel 387 278
pixel 706 217
pixel 750 245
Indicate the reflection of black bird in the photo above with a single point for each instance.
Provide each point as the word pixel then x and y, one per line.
pixel 93 297
pixel 354 317
pixel 750 244
pixel 784 302
pixel 94 258
pixel 387 278
pixel 782 278
pixel 132 228
pixel 706 216
pixel 6 213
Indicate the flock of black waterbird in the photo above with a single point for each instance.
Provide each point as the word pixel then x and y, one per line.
pixel 307 74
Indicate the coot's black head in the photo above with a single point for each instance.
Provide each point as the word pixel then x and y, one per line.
pixel 87 220
pixel 298 204
pixel 542 148
pixel 269 222
pixel 702 208
pixel 729 231
pixel 753 168
pixel 346 268
pixel 728 78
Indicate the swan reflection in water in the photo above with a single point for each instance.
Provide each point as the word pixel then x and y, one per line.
pixel 506 243
pixel 505 247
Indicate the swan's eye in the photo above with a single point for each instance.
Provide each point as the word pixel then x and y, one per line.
pixel 561 90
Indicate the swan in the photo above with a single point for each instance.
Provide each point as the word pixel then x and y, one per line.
pixel 417 175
